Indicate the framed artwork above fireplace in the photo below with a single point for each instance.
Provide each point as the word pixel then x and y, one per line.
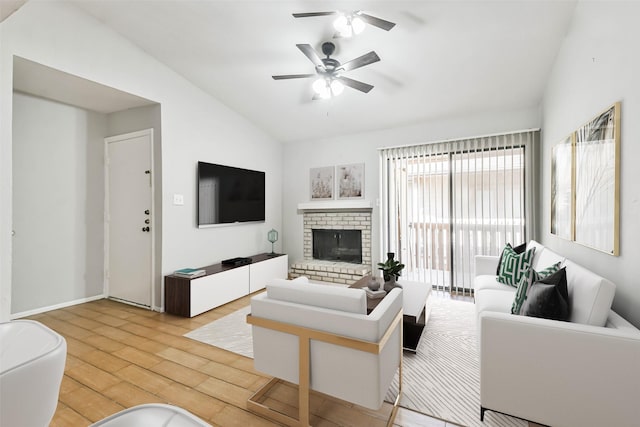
pixel 350 180
pixel 321 183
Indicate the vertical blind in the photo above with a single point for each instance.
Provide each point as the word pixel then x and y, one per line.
pixel 445 202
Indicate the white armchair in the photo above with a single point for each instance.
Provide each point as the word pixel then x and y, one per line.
pixel 32 359
pixel 321 338
pixel 152 415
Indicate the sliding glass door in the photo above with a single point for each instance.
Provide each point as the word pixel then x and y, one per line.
pixel 444 203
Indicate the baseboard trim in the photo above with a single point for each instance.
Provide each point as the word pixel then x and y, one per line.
pixel 54 307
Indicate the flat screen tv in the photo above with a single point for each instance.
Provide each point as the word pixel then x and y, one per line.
pixel 228 195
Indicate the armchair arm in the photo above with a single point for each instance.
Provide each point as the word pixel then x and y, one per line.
pixel 486 265
pixel 559 373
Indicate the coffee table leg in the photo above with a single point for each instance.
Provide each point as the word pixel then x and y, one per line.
pixel 411 332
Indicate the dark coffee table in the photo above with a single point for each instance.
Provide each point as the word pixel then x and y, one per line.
pixel 414 300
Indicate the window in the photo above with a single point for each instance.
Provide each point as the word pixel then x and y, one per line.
pixel 444 203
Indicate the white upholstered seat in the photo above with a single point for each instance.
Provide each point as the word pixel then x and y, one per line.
pixel 321 338
pixel 152 415
pixel 32 359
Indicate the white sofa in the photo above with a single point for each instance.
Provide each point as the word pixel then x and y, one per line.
pixel 585 372
pixel 320 337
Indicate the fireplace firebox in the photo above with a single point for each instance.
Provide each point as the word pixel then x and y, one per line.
pixel 337 245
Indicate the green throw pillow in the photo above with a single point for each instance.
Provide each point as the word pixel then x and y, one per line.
pixel 514 265
pixel 529 277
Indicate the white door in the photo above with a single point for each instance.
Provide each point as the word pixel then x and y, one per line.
pixel 129 220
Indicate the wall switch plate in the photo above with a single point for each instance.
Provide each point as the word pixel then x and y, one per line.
pixel 178 199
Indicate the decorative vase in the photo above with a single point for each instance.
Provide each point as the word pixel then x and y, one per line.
pixel 373 284
pixel 390 283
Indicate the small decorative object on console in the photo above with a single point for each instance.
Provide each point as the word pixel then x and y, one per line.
pixel 189 272
pixel 272 236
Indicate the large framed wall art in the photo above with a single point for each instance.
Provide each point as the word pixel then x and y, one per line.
pixel 597 182
pixel 562 184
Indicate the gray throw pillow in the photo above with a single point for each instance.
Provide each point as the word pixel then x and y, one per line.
pixel 525 283
pixel 548 298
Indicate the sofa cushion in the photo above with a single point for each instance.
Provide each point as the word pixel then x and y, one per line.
pixel 332 297
pixel 514 265
pixel 525 283
pixel 590 295
pixel 517 249
pixel 544 256
pixel 487 281
pixel 548 298
pixel 494 300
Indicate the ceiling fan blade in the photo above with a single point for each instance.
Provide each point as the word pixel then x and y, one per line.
pixel 355 84
pixel 313 56
pixel 376 22
pixel 293 76
pixel 309 14
pixel 361 61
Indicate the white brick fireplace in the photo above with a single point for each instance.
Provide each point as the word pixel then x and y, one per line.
pixel 334 216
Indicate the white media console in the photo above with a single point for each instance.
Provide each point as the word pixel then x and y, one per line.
pixel 221 284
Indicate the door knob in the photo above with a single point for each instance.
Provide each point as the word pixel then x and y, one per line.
pixel 146 229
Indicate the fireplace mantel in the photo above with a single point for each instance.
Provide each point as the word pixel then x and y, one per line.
pixel 336 205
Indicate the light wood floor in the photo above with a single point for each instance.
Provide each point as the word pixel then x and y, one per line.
pixel 120 356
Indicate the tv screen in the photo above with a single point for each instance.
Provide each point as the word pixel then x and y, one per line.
pixel 227 195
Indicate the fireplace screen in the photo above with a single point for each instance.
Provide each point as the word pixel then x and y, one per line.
pixel 338 245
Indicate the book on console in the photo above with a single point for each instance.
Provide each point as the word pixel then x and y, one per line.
pixel 189 272
pixel 380 293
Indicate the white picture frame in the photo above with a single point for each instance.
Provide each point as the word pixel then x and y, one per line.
pixel 350 181
pixel 321 183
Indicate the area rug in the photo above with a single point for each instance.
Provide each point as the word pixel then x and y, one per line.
pixel 231 332
pixel 442 379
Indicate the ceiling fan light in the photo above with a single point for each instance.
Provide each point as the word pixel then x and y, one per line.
pixel 357 24
pixel 342 24
pixel 322 88
pixel 336 87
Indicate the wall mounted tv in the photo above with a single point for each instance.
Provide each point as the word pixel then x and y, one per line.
pixel 228 195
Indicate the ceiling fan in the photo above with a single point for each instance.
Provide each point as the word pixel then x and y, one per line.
pixel 349 23
pixel 329 71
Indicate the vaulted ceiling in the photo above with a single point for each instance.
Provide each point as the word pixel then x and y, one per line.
pixel 443 58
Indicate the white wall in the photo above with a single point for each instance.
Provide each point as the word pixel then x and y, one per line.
pixel 598 65
pixel 362 148
pixel 194 127
pixel 57 203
